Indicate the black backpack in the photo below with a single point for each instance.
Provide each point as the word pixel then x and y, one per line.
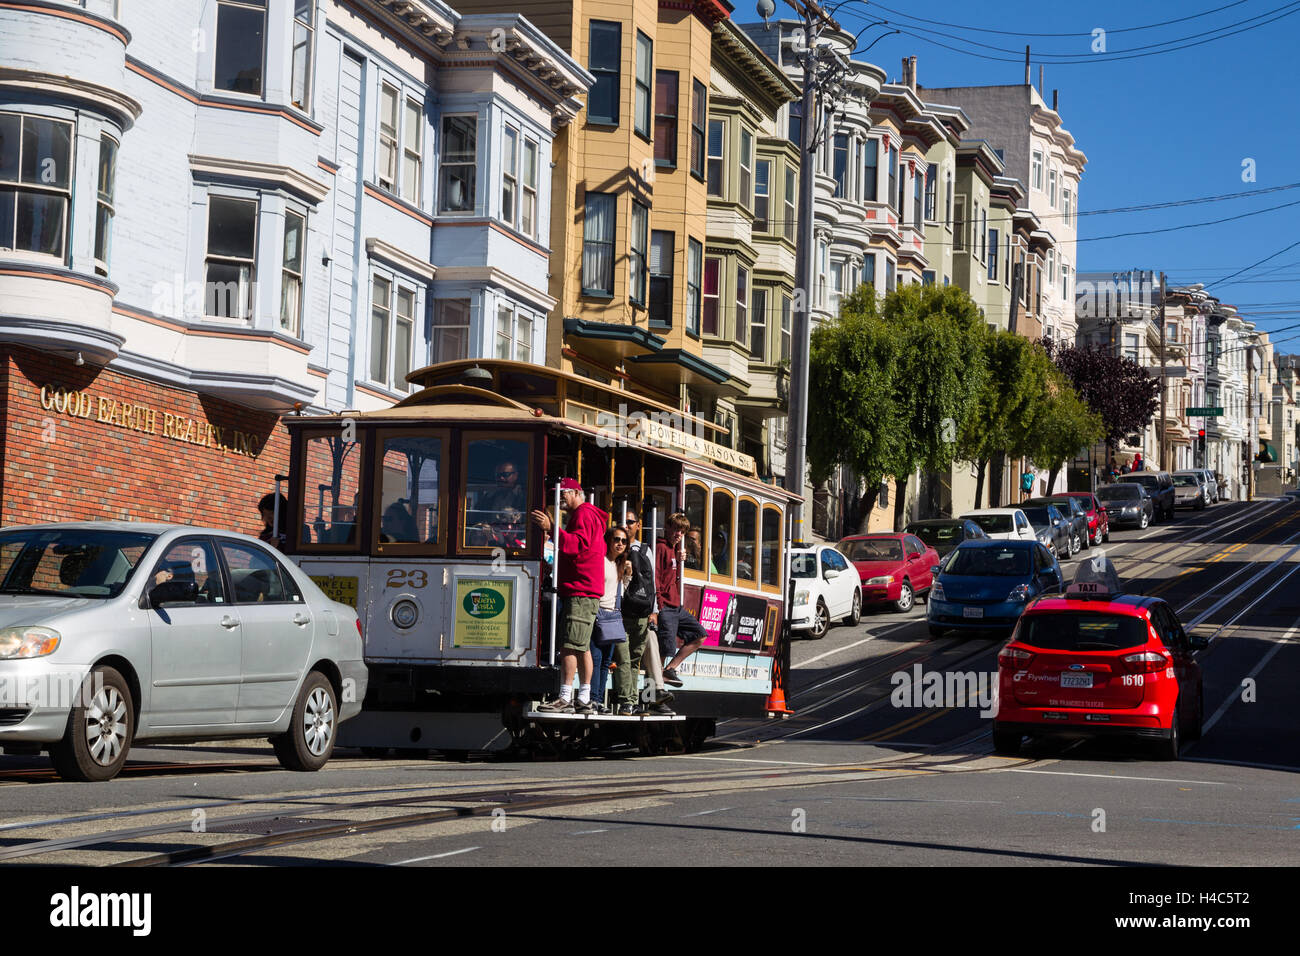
pixel 639 595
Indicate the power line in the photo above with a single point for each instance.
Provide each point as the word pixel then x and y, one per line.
pixel 1148 26
pixel 1170 204
pixel 1093 58
pixel 1067 57
pixel 1254 265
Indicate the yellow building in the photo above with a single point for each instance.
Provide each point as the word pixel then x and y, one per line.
pixel 629 196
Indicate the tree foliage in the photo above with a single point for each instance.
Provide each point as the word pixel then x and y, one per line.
pixel 1064 424
pixel 1116 388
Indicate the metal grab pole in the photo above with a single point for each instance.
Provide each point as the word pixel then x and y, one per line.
pixel 555 575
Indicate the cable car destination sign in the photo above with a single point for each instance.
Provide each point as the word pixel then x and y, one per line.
pixel 666 430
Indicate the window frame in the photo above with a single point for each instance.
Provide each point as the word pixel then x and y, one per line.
pixel 412 548
pixel 397 286
pixel 740 331
pixel 702 575
pixel 264 8
pixel 362 443
pixel 530 532
pixel 309 27
pixel 758 321
pixel 295 327
pixel 746 182
pixel 22 187
pixel 779 562
pixel 605 74
pixel 763 174
pixel 437 326
pixel 694 286
pixel 716 297
pixel 638 259
pixel 510 159
pixel 246 298
pixel 445 165
pixel 659 277
pixel 665 123
pixel 612 199
pixel 716 161
pixel 643 87
pixel 390 144
pixel 699 129
pixel 529 204
pixel 717 577
pixel 105 205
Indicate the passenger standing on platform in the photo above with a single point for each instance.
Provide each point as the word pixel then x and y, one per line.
pixel 638 607
pixel 618 571
pixel 266 507
pixel 580 582
pixel 673 621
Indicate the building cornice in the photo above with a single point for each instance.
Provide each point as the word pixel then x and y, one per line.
pixel 414 265
pixel 122 108
pixel 274 173
pixel 498 277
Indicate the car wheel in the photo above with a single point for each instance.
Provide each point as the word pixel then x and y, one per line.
pixel 1144 522
pixel 855 615
pixel 906 597
pixel 1168 749
pixel 1106 536
pixel 1073 546
pixel 309 742
pixel 821 622
pixel 98 737
pixel 1006 743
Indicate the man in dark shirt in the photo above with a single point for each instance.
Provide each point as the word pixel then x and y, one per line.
pixel 672 620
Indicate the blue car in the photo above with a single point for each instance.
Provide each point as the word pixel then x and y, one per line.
pixel 985 585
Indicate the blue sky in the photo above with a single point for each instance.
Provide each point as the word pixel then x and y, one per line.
pixel 1155 128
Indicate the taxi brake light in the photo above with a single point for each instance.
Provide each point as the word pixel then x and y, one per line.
pixel 1147 662
pixel 1015 658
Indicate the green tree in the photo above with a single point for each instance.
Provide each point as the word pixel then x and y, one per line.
pixel 1064 424
pixel 1014 392
pixel 852 420
pixel 940 376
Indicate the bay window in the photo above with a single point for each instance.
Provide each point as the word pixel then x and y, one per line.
pixel 35 184
pixel 240 47
pixel 230 267
pixel 459 163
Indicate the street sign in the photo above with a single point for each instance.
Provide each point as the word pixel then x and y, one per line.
pixel 1207 412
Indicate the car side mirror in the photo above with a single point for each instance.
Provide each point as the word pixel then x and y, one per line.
pixel 830 574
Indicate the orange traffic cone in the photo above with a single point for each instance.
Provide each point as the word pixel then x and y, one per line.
pixel 776 703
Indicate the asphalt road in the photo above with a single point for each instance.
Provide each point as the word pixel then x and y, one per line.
pixel 850 779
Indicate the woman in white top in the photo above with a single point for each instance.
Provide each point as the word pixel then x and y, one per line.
pixel 618 571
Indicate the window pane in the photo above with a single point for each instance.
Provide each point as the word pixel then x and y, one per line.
pixel 496 493
pixel 717 130
pixel 300 85
pixel 459 159
pixel 47 152
pixel 379 315
pixel 642 91
pixel 598 244
pixel 229 290
pixel 758 327
pixel 254 575
pixel 232 226
pixel 661 278
pixel 746 539
pixel 603 55
pixel 11 128
pixel 695 510
pixel 195 576
pixel 410 498
pixel 720 541
pixel 331 488
pixel 401 351
pixel 40 223
pixel 712 268
pixel 523 337
pixel 666 117
pixel 240 38
pixel 293 229
pixel 771 546
pixel 505 324
pixel 451 330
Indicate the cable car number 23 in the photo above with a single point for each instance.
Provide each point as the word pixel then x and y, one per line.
pixel 403 578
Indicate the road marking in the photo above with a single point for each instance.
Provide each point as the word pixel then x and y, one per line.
pixel 1107 776
pixel 791 763
pixel 705 813
pixel 846 647
pixel 1223 709
pixel 585 832
pixel 437 856
pixel 1245 763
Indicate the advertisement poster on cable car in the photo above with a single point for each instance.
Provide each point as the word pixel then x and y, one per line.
pixel 732 620
pixel 483 612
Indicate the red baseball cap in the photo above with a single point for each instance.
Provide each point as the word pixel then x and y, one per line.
pixel 570 484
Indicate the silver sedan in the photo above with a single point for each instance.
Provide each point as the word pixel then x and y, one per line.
pixel 117 632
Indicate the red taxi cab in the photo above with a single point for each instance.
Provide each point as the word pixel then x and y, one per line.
pixel 894 568
pixel 1096 662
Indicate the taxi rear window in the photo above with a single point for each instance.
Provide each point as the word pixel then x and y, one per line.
pixel 1082 631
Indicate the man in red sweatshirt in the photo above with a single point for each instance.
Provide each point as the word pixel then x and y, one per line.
pixel 581 582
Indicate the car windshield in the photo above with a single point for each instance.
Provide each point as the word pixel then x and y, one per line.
pixel 1186 481
pixel 70 562
pixel 872 549
pixel 1038 517
pixel 1082 631
pixel 993 524
pixel 1115 492
pixel 1151 481
pixel 803 565
pixel 988 562
pixel 933 534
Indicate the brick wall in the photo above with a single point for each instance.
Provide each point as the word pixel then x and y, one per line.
pixel 69 465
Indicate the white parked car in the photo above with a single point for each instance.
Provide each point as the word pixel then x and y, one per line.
pixel 118 632
pixel 825 587
pixel 1003 524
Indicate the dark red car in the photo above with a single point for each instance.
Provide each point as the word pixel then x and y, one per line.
pixel 1098 519
pixel 894 568
pixel 1095 664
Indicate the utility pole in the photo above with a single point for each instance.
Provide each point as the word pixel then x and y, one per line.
pixel 1250 422
pixel 1164 384
pixel 814 21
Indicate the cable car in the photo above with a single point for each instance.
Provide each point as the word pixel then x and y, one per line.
pixel 418 516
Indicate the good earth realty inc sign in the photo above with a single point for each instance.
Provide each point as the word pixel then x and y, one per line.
pixel 132 416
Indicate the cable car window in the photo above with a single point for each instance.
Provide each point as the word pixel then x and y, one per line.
pixel 496 493
pixel 411 476
pixel 771 546
pixel 722 540
pixel 331 488
pixel 747 541
pixel 696 510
